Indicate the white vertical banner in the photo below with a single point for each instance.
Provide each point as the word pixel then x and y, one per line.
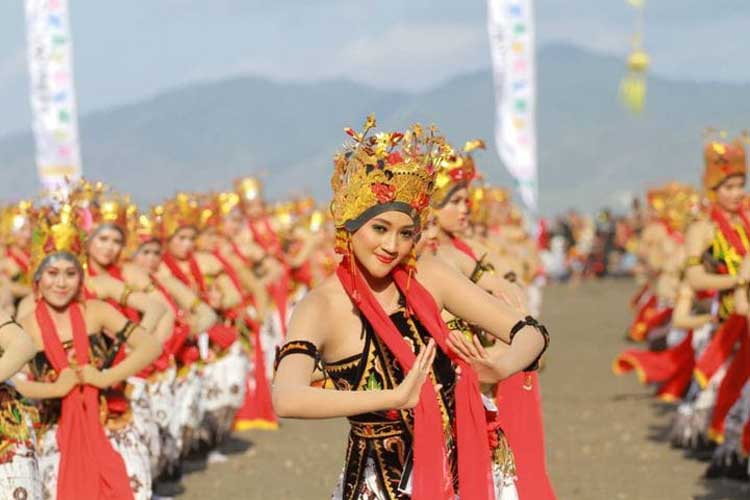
pixel 53 100
pixel 510 25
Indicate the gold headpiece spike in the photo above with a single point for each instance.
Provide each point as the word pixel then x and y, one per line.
pixel 248 188
pixel 472 145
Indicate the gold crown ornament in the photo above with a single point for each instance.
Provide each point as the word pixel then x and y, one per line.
pixel 723 160
pixel 248 188
pixel 56 230
pixel 13 217
pixel 455 171
pixel 386 171
pixel 681 205
pixel 184 210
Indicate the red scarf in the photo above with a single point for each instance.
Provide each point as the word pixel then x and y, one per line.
pixel 231 272
pixel 269 240
pixel 730 233
pixel 279 290
pixel 236 251
pixel 89 466
pixel 464 247
pixel 115 272
pixel 195 272
pixel 431 478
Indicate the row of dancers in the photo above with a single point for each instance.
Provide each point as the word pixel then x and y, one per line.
pixel 132 339
pixel 692 311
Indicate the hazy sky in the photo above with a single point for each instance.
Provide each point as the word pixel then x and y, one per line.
pixel 125 51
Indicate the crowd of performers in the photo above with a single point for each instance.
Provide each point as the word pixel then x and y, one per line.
pixel 131 338
pixel 692 311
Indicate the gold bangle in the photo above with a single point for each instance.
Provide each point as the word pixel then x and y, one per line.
pixel 125 294
pixel 194 306
pixel 741 282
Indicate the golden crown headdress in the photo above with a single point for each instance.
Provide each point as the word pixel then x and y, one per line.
pixel 678 205
pixel 99 203
pixel 454 171
pixel 184 210
pixel 57 229
pixel 722 160
pixel 384 171
pixel 248 188
pixel 13 217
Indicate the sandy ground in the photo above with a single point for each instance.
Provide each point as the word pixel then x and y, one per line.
pixel 605 435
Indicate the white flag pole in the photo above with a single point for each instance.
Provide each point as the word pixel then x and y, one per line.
pixel 511 33
pixel 53 100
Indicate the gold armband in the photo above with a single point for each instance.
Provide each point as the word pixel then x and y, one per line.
pixel 125 294
pixel 693 261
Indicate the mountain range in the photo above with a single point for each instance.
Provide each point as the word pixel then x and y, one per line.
pixel 592 152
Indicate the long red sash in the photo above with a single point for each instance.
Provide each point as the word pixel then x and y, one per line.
pixel 731 388
pixel 279 290
pixel 520 402
pixel 657 366
pixel 431 479
pixel 720 348
pixel 638 330
pixel 731 235
pixel 231 272
pixel 195 272
pixel 89 466
pixel 464 247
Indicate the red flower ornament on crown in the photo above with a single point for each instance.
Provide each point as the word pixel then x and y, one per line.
pixel 385 193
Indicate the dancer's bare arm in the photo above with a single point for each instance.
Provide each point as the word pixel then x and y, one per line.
pixel 292 395
pixel 465 300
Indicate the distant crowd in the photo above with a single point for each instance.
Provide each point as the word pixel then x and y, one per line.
pixel 576 246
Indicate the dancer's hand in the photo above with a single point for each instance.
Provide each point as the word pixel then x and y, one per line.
pixel 66 380
pixel 407 393
pixel 486 362
pixel 91 376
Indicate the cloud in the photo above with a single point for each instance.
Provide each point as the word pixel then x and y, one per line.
pixel 414 56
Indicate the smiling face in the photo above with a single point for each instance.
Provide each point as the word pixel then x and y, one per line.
pixel 148 256
pixel 105 246
pixel 182 243
pixel 59 281
pixel 383 242
pixel 453 217
pixel 729 194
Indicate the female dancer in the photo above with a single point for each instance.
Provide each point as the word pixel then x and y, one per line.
pixel 377 329
pixel 520 393
pixel 19 472
pixel 79 456
pixel 223 376
pixel 175 393
pixel 717 248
